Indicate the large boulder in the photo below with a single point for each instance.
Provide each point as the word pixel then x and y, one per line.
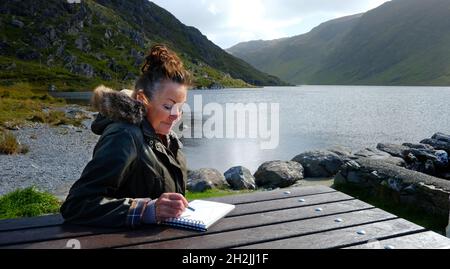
pixel 319 163
pixel 376 154
pixel 344 153
pixel 439 141
pixel 240 178
pixel 428 161
pixel 278 174
pixel 409 187
pixel 393 149
pixel 205 179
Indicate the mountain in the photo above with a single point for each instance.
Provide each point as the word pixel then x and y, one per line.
pixel 402 42
pixel 73 46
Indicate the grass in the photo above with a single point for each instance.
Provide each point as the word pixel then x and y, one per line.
pixel 387 203
pixel 9 144
pixel 29 202
pixel 23 102
pixel 213 193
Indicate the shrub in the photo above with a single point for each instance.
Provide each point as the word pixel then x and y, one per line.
pixel 28 202
pixel 9 143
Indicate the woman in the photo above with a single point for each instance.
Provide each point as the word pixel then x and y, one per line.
pixel 138 173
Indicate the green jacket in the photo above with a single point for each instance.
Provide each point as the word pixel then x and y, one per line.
pixel 130 166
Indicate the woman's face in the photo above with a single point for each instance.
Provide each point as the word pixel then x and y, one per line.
pixel 165 108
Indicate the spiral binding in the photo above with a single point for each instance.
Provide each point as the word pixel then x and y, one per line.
pixel 197 225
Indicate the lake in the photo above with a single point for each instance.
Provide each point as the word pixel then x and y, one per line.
pixel 314 117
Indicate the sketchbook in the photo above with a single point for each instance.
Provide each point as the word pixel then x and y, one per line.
pixel 203 215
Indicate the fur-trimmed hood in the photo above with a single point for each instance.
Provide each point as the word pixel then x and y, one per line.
pixel 118 106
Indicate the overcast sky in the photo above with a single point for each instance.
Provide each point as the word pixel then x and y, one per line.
pixel 228 22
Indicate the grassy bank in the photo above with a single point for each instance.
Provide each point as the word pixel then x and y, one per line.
pixel 28 202
pixel 23 102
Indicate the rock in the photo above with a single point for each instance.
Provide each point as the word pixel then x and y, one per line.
pixel 240 178
pixel 76 112
pixel 50 60
pixel 342 152
pixel 82 43
pixel 108 34
pixel 129 76
pixel 442 157
pixel 216 86
pixel 393 149
pixel 319 163
pixel 280 174
pixel 439 141
pixel 11 66
pixel 428 161
pixel 51 34
pixel 104 75
pixel 69 60
pixel 418 146
pixel 60 49
pixel 405 186
pixel 51 88
pixel 39 42
pixel 28 54
pixel 205 179
pixel 17 23
pixel 4 47
pixel 84 69
pixel 379 155
pixel 441 137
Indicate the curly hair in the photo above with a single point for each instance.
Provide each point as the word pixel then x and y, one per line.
pixel 161 64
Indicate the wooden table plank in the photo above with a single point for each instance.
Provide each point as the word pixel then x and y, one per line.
pixel 428 240
pixel 271 232
pixel 34 222
pixel 271 205
pixel 343 237
pixel 51 232
pixel 273 195
pixel 155 233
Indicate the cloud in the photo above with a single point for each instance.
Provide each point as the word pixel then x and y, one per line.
pixel 228 22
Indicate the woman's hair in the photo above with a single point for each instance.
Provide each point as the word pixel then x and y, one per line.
pixel 161 64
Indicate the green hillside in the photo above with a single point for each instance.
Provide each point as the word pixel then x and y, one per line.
pixel 402 42
pixel 77 46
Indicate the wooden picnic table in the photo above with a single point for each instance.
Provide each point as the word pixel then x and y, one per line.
pixel 312 217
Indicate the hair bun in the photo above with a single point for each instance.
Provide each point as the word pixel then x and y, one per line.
pixel 162 59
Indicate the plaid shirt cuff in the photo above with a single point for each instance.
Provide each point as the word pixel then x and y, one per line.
pixel 136 211
pixel 149 216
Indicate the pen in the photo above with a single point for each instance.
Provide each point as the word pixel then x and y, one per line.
pixel 190 208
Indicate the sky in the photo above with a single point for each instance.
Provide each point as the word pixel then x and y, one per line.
pixel 228 22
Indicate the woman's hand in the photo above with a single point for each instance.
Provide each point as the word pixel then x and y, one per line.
pixel 170 205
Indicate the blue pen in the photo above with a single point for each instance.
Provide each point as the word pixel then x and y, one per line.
pixel 190 208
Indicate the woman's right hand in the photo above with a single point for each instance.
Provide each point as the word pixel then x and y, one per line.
pixel 170 205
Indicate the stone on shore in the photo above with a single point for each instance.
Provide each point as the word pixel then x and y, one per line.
pixel 439 141
pixel 205 179
pixel 319 163
pixel 393 149
pixel 278 174
pixel 406 186
pixel 376 154
pixel 240 178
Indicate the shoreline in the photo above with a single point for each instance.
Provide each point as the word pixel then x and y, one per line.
pixel 57 158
